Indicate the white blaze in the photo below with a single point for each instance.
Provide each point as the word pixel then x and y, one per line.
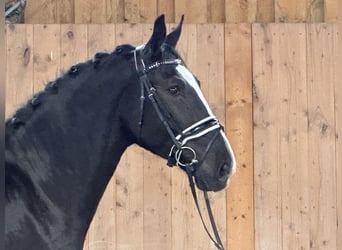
pixel 190 79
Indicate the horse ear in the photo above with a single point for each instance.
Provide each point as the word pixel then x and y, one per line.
pixel 174 35
pixel 158 36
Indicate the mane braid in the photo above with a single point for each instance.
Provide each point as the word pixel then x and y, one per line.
pixel 25 112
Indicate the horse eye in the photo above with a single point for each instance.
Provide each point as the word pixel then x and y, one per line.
pixel 174 90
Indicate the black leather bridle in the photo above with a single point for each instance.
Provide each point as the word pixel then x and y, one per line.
pixel 207 125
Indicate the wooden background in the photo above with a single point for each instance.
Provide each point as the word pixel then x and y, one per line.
pixel 275 88
pixel 196 11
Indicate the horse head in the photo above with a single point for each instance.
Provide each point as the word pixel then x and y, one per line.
pixel 171 117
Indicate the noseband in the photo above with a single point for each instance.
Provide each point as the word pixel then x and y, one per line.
pixel 195 131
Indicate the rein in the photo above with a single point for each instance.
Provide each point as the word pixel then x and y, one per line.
pixel 197 130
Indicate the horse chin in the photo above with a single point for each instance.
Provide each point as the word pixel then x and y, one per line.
pixel 203 185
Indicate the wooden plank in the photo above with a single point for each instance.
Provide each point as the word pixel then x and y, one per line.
pixel 203 11
pixel 42 11
pixel 331 13
pixel 132 13
pixel 210 68
pixel 130 172
pixel 65 11
pixel 315 11
pixel 88 11
pixel 19 70
pixel 129 200
pixel 115 11
pixel 239 129
pixel 157 203
pixel 290 11
pixel 73 45
pixel 148 11
pixel 195 11
pixel 103 227
pixel 216 11
pixel 167 8
pixel 240 11
pixel 265 11
pixel 293 136
pixel 101 37
pixel 135 34
pixel 266 92
pixel 46 58
pixel 321 126
pixel 338 117
pixel 295 201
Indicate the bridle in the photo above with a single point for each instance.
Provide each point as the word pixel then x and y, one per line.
pixel 195 131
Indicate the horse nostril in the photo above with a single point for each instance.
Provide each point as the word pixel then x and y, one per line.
pixel 224 170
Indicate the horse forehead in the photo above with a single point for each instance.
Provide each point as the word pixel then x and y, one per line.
pixel 190 79
pixel 187 75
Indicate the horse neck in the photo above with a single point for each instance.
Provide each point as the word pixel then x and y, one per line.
pixel 67 152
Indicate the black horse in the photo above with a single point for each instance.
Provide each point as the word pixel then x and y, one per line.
pixel 63 145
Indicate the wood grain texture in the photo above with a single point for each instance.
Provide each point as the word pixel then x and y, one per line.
pixel 267 175
pixel 315 11
pixel 167 7
pixel 132 11
pixel 41 11
pixel 331 11
pixel 46 59
pixel 157 203
pixel 148 11
pixel 65 11
pixel 216 11
pixel 130 200
pixel 338 117
pixel 321 132
pixel 19 70
pixel 210 68
pixel 265 11
pixel 240 11
pixel 115 11
pixel 195 11
pixel 290 11
pixel 239 129
pixel 101 38
pixel 88 11
pixel 293 136
pixel 74 42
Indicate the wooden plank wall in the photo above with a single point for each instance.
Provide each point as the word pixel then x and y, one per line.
pixel 196 11
pixel 294 76
pixel 239 124
pixel 283 128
